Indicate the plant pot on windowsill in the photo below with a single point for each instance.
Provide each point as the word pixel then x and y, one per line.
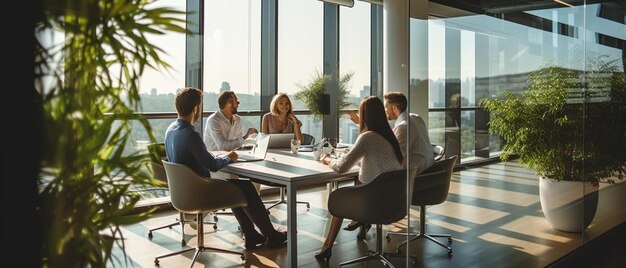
pixel 571 137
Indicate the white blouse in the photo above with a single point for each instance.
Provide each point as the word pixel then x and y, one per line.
pixel 375 153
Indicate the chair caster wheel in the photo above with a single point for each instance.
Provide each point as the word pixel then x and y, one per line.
pixel 214 227
pixel 150 235
pixel 243 257
pixel 449 240
pixel 215 218
pixel 156 262
pixel 449 253
pixel 388 237
pixel 308 205
pixel 183 243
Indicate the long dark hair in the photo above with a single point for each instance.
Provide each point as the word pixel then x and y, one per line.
pixel 372 115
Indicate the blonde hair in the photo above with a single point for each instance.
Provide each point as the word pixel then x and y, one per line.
pixel 274 104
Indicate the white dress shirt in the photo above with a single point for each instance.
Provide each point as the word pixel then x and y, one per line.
pixel 220 134
pixel 421 152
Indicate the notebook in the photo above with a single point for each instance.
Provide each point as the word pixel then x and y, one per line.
pixel 259 151
pixel 280 140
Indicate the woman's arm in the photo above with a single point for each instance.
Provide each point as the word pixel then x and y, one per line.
pixel 265 124
pixel 296 127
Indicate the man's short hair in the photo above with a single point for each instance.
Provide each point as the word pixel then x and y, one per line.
pixel 224 98
pixel 396 98
pixel 187 99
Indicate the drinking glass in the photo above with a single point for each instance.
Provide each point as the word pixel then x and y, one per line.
pixel 295 145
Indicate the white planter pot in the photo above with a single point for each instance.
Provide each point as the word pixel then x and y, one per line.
pixel 568 206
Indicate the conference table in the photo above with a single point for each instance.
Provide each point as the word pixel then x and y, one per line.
pixel 293 171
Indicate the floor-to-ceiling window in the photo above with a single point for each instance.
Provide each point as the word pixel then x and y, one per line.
pixel 354 57
pixel 300 52
pixel 158 87
pixel 232 55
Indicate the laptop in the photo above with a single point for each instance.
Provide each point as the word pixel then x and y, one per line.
pixel 258 152
pixel 280 140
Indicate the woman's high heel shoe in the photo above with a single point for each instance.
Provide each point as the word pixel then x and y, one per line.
pixel 324 255
pixel 363 231
pixel 353 225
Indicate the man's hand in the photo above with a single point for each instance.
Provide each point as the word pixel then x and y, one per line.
pixel 325 159
pixel 250 132
pixel 233 156
pixel 354 117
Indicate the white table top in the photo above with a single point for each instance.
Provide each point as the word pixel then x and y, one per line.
pixel 284 167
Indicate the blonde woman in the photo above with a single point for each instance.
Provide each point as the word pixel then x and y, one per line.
pixel 281 118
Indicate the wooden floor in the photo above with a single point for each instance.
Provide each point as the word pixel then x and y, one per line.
pixel 492 212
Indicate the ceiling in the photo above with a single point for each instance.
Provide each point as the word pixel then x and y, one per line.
pixel 510 6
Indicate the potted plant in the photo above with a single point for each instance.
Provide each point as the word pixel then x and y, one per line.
pixel 316 100
pixel 568 127
pixel 87 84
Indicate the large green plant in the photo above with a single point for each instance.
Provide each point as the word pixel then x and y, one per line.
pixel 568 125
pixel 88 84
pixel 312 93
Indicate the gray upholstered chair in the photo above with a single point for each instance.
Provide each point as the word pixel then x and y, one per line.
pixel 190 193
pixel 308 140
pixel 381 201
pixel 438 151
pixel 157 153
pixel 431 188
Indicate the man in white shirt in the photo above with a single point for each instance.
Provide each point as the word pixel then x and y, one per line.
pixel 420 150
pixel 421 153
pixel 223 128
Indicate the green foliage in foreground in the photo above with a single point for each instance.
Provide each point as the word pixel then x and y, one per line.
pixel 88 86
pixel 569 125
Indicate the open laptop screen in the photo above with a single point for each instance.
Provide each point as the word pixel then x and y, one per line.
pixel 280 140
pixel 259 151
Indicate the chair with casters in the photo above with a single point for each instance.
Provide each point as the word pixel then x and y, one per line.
pixel 157 153
pixel 381 201
pixel 431 188
pixel 185 187
pixel 438 151
pixel 308 140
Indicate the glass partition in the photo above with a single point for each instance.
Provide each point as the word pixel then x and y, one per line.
pixel 480 49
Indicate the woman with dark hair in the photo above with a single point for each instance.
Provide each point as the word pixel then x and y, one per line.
pixel 378 151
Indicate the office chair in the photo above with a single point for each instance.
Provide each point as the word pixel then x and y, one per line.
pixel 157 153
pixel 431 188
pixel 185 187
pixel 308 140
pixel 381 201
pixel 438 151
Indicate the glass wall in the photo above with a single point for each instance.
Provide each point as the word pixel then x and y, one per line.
pixel 480 49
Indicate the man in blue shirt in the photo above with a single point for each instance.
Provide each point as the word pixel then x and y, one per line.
pixel 183 145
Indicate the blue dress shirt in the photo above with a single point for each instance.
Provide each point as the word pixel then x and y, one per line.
pixel 183 145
